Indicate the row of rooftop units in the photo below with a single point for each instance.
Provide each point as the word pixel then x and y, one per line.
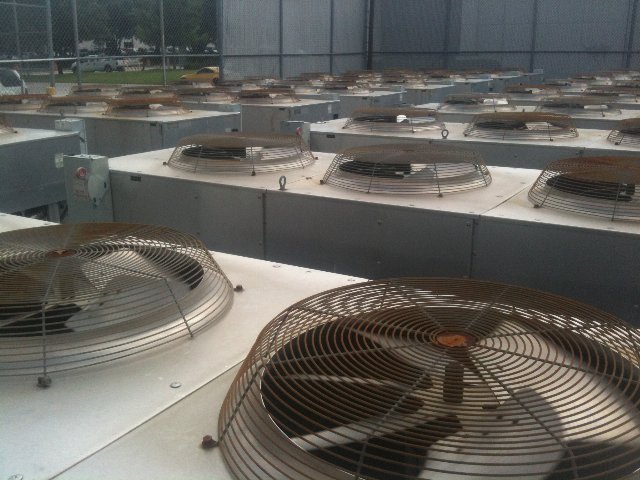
pixel 532 198
pixel 146 188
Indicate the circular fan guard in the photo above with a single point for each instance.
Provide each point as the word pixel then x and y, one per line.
pixel 145 106
pixel 436 378
pixel 393 119
pixel 204 94
pixel 241 153
pixel 577 105
pixel 408 169
pixel 627 132
pixel 521 126
pixel 600 186
pixel 27 101
pixel 78 295
pixel 267 96
pixel 74 104
pixel 477 102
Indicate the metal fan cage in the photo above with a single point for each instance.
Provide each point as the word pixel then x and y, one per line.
pixel 477 102
pixel 521 126
pixel 78 295
pixel 106 89
pixel 26 101
pixel 204 94
pixel 626 132
pixel 267 96
pixel 390 119
pixel 347 85
pixel 74 104
pixel 408 169
pixel 614 91
pixel 534 90
pixel 152 106
pixel 436 378
pixel 599 186
pixel 578 105
pixel 142 91
pixel 238 152
pixel 5 126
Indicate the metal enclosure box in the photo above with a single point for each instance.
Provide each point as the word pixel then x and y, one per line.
pixel 259 118
pixel 29 176
pixel 308 223
pixel 427 94
pixel 117 136
pixel 588 258
pixel 331 137
pixel 88 188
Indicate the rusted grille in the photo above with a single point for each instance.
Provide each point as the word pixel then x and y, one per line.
pixel 394 118
pixel 578 105
pixel 600 186
pixel 27 101
pixel 204 94
pixel 74 104
pixel 105 90
pixel 346 85
pixel 477 102
pixel 144 106
pixel 77 295
pixel 241 153
pixel 425 378
pixel 623 92
pixel 627 132
pixel 408 169
pixel 521 126
pixel 267 96
pixel 143 91
pixel 539 89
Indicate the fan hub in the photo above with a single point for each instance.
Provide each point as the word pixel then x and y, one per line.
pixel 455 340
pixel 62 252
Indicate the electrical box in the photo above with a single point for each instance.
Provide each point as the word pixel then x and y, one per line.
pixel 86 179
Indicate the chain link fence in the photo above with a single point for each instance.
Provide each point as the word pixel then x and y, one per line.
pixel 156 41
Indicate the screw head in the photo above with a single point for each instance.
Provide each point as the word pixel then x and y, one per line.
pixel 175 385
pixel 208 442
pixel 238 288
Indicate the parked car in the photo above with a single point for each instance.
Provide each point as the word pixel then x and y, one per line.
pixel 11 83
pixel 205 74
pixel 93 63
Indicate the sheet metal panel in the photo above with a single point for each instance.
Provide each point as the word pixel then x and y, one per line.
pixel 306 26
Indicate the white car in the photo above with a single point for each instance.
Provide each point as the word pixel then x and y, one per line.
pixel 94 64
pixel 11 83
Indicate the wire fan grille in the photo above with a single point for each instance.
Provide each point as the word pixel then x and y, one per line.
pixel 578 105
pixel 627 132
pixel 627 93
pixel 436 378
pixel 78 295
pixel 241 153
pixel 27 101
pixel 601 186
pixel 145 106
pixel 393 119
pixel 409 169
pixel 74 104
pixel 204 94
pixel 521 126
pixel 108 90
pixel 267 96
pixel 477 102
pixel 534 90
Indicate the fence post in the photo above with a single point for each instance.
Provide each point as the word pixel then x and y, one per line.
pixel 16 27
pixel 534 36
pixel 370 25
pixel 76 40
pixel 281 54
pixel 332 8
pixel 632 32
pixel 52 77
pixel 162 44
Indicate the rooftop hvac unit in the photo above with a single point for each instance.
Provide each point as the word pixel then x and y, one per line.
pixel 267 96
pixel 29 175
pixel 600 186
pixel 395 119
pixel 27 101
pixel 578 106
pixel 198 95
pixel 436 378
pixel 626 132
pixel 240 153
pixel 152 106
pixel 477 102
pixel 521 126
pixel 78 295
pixel 408 169
pixel 74 104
